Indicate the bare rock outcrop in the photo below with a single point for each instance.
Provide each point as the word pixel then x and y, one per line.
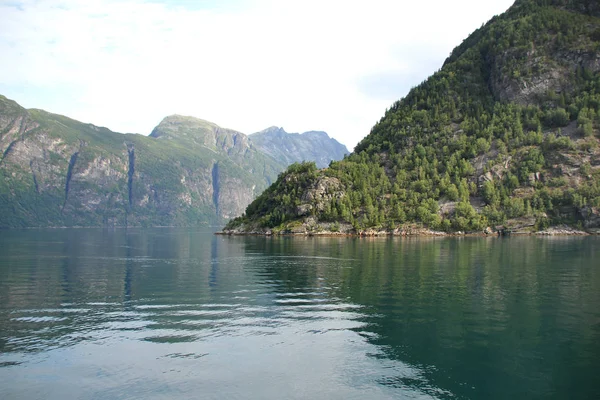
pixel 323 191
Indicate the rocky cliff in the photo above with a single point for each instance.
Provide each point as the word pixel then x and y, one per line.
pixel 289 148
pixel 56 171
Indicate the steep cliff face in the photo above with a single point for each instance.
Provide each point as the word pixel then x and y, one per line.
pixel 235 170
pixel 56 171
pixel 289 148
pixel 52 171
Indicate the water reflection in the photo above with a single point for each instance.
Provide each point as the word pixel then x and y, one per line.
pixel 471 314
pixel 173 313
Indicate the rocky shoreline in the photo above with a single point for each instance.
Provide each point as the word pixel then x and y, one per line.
pixel 559 230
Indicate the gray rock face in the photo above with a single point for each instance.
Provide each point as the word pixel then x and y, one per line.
pixel 294 147
pixel 320 194
pixel 590 216
pixel 556 74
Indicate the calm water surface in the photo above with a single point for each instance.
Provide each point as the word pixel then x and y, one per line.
pixel 172 313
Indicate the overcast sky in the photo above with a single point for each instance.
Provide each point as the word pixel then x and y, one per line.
pixel 243 64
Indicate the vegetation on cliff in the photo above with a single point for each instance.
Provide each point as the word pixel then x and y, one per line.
pixel 55 171
pixel 506 132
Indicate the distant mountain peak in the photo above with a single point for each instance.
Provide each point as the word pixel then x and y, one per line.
pixel 295 147
pixel 273 130
pixel 176 123
pixel 199 131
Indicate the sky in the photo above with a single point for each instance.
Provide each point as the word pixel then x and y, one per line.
pixel 327 65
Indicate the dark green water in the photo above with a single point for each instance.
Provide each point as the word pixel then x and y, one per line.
pixel 166 313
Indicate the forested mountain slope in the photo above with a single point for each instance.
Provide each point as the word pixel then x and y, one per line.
pixel 505 133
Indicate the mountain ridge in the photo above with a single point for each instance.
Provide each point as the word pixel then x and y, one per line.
pixel 56 171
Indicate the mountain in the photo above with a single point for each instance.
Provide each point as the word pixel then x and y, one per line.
pixel 504 135
pixel 289 148
pixel 56 171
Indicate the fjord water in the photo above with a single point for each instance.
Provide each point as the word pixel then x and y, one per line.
pixel 175 313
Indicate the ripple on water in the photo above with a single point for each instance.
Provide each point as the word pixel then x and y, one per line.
pixel 42 319
pixel 199 316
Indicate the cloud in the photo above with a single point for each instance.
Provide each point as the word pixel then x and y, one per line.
pixel 246 65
